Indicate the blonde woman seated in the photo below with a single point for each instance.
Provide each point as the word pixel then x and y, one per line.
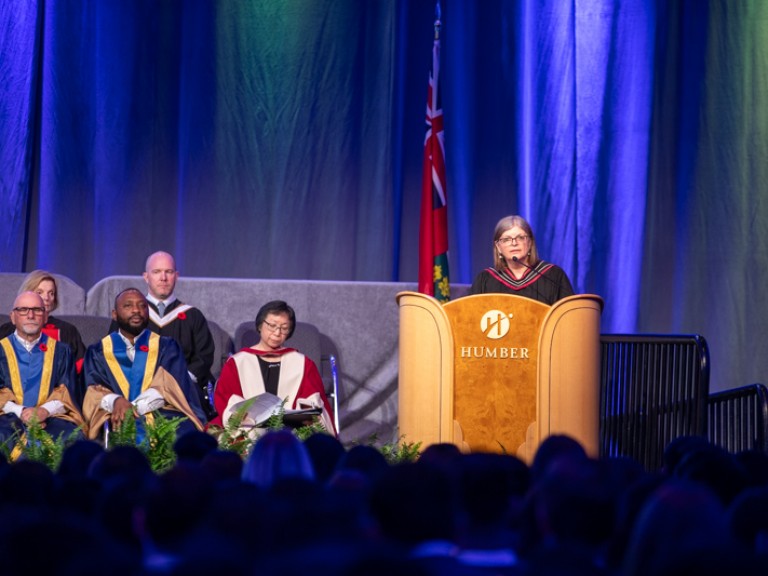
pixel 268 366
pixel 43 283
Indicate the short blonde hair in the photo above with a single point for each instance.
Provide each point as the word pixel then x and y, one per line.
pixel 34 279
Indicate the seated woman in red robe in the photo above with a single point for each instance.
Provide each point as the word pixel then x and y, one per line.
pixel 268 366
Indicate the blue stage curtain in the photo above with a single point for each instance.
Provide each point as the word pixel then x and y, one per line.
pixel 283 139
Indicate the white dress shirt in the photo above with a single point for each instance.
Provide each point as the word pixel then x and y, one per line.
pixel 145 402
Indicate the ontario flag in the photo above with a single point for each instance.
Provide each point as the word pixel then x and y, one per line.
pixel 433 230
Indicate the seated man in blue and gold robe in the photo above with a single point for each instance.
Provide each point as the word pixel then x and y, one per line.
pixel 134 371
pixel 37 376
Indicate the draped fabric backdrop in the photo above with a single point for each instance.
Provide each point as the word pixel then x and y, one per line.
pixel 284 139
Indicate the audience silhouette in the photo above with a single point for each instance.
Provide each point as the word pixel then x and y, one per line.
pixel 294 507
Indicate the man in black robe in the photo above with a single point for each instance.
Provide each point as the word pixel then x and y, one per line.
pixel 168 316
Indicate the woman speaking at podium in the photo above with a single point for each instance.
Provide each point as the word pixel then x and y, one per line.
pixel 517 268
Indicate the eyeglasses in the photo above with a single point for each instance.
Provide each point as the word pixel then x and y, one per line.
pixel 275 328
pixel 507 240
pixel 23 310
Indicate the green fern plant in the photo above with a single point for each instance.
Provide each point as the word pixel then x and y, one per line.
pixel 231 437
pixel 38 445
pixel 158 441
pixel 397 451
pixel 125 434
pixel 160 436
pixel 316 427
pixel 7 447
pixel 277 420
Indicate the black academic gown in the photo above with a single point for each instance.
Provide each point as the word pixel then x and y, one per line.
pixel 545 283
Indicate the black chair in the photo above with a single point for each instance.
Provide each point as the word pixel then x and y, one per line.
pixel 223 348
pixel 738 418
pixel 92 328
pixel 654 388
pixel 306 339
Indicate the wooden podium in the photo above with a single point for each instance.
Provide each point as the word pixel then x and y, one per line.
pixel 499 373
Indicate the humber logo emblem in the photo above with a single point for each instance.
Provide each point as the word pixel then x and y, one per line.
pixel 495 324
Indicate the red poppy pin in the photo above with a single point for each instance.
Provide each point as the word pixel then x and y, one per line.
pixel 43 347
pixel 144 348
pixel 182 316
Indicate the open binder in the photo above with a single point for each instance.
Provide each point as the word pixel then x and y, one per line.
pixel 265 405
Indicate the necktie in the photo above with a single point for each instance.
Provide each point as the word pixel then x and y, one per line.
pixel 161 309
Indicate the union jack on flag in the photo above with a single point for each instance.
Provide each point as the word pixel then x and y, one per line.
pixel 433 230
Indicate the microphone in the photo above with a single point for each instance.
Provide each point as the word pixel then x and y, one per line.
pixel 541 274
